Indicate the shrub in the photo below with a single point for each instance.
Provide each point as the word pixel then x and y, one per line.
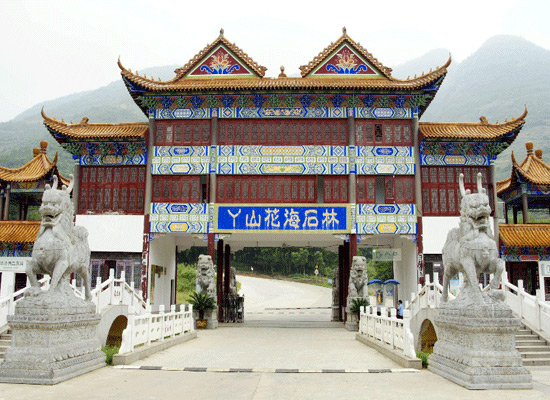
pixel 110 351
pixel 357 305
pixel 202 303
pixel 424 355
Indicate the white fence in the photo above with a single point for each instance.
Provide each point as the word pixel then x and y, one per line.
pixel 111 292
pixel 147 328
pixel 533 310
pixel 7 303
pixel 114 292
pixel 387 329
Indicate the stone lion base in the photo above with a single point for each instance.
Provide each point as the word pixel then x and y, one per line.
pixel 54 338
pixel 475 347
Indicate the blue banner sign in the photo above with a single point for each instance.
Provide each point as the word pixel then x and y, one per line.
pixel 275 217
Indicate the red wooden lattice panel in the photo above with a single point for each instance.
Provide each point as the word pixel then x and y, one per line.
pixel 176 189
pixel 383 133
pixel 282 132
pixel 393 189
pixel 266 189
pixel 182 133
pixel 104 189
pixel 440 191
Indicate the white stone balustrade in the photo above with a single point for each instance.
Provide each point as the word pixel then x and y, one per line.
pixel 147 328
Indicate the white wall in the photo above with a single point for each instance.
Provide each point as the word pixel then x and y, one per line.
pixel 162 252
pixel 120 233
pixel 404 271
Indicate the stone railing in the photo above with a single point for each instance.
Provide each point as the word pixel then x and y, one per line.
pixel 388 330
pixel 532 310
pixel 7 303
pixel 114 292
pixel 428 296
pixel 142 330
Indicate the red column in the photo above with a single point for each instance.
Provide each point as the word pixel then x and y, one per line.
pixel 227 269
pixel 346 268
pixel 340 281
pixel 211 246
pixel 219 279
pixel 420 252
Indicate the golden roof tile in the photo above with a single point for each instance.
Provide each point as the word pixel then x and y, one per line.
pixel 19 231
pixel 37 168
pixel 525 235
pixel 85 130
pixel 471 130
pixel 322 56
pixel 533 169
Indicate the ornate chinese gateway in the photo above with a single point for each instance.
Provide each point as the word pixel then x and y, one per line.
pixel 335 157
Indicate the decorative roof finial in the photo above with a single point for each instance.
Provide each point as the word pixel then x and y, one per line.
pixel 221 32
pixel 344 31
pixel 529 147
pixel 282 74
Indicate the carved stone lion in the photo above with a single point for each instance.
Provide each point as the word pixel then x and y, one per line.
pixel 471 248
pixel 60 248
pixel 205 276
pixel 358 278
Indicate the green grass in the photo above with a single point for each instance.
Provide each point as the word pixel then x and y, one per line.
pixel 110 351
pixel 424 356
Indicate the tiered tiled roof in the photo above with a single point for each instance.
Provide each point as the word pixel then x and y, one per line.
pixel 86 131
pixel 35 169
pixel 18 231
pixel 533 169
pixel 180 83
pixel 525 235
pixel 482 130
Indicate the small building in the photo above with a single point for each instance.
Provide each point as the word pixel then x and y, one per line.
pixel 525 238
pixel 20 197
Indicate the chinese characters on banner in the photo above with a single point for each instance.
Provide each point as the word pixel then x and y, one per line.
pixel 282 218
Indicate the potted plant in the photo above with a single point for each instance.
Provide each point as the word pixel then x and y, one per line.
pixel 202 304
pixel 357 305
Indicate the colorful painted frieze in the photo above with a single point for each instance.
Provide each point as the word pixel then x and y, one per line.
pixel 282 112
pixel 318 218
pixel 178 217
pixel 455 160
pixel 301 160
pixel 181 160
pixel 374 160
pixel 111 160
pixel 386 219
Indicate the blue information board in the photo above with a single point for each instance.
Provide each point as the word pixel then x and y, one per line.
pixel 276 217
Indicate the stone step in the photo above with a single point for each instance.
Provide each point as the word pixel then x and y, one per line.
pixel 531 342
pixel 522 349
pixel 535 354
pixel 5 342
pixel 536 361
pixel 529 336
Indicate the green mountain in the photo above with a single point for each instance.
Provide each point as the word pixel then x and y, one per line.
pixel 502 76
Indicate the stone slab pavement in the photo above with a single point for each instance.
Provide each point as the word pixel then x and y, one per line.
pixel 267 347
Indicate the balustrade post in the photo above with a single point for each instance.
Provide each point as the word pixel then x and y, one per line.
pixel 121 286
pixel 521 295
pixel 393 322
pixel 133 294
pixel 111 285
pixel 161 313
pixel 130 325
pixel 173 317
pixel 408 338
pixel 428 287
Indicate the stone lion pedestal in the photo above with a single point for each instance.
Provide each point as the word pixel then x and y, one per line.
pixel 54 338
pixel 476 346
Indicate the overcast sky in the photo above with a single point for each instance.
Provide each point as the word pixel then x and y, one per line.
pixel 54 48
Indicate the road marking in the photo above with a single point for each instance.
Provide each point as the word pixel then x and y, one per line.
pixel 271 371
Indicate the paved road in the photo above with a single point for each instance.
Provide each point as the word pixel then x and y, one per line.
pixel 276 300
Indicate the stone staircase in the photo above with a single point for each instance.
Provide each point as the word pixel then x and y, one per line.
pixel 533 349
pixel 5 342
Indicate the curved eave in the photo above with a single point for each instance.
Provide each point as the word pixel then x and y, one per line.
pixel 525 235
pixel 503 186
pixel 18 231
pixel 505 132
pixel 62 131
pixel 533 170
pixel 36 169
